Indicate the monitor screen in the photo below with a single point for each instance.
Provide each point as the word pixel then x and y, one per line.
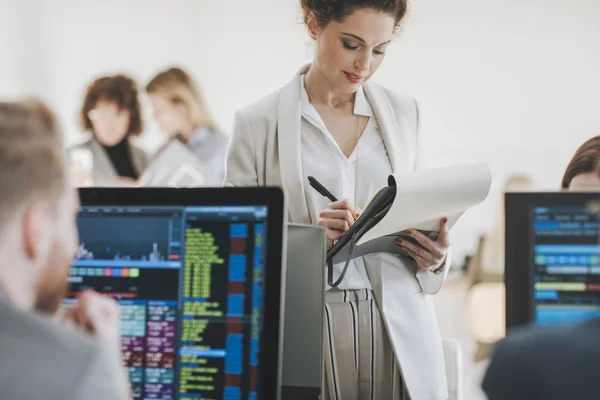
pixel 566 267
pixel 552 258
pixel 189 282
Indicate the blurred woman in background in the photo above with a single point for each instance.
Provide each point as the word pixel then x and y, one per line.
pixel 583 172
pixel 181 112
pixel 111 113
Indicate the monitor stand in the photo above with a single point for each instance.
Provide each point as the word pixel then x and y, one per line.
pixel 303 319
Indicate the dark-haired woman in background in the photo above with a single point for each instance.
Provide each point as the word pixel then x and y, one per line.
pixel 111 113
pixel 583 172
pixel 382 339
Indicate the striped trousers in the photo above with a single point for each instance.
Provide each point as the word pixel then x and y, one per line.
pixel 359 361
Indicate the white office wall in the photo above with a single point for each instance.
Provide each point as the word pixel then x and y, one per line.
pixel 515 83
pixel 19 40
pixel 237 50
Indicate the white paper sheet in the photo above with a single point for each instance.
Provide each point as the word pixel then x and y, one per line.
pixel 174 166
pixel 424 197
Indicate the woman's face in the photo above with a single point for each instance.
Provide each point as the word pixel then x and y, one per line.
pixel 349 52
pixel 110 124
pixel 170 117
pixel 588 182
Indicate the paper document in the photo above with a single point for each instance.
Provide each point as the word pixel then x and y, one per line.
pixel 174 166
pixel 422 199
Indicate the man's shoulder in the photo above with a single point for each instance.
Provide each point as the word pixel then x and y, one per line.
pixel 57 356
pixel 20 326
pixel 544 360
pixel 567 339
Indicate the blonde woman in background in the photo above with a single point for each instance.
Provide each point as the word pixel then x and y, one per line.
pixel 180 111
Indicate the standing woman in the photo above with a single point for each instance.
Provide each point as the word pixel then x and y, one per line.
pixel 181 112
pixel 350 134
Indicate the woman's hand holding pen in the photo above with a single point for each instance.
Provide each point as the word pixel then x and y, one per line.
pixel 337 219
pixel 433 256
pixel 339 215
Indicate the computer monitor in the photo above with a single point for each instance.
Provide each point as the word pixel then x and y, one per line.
pixel 197 274
pixel 552 258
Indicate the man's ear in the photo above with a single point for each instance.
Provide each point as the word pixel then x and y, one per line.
pixel 37 232
pixel 313 26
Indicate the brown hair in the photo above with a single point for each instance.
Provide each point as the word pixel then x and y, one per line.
pixel 585 160
pixel 179 88
pixel 326 11
pixel 32 165
pixel 120 89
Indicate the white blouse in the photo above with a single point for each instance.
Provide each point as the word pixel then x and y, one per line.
pixel 368 166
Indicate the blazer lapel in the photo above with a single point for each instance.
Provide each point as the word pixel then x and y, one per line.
pixel 138 158
pixel 103 167
pixel 289 117
pixel 388 125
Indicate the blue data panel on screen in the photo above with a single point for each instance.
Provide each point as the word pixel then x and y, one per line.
pixel 566 263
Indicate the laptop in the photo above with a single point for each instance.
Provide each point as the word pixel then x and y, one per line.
pixel 198 277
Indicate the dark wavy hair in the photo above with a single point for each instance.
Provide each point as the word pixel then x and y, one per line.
pixel 326 11
pixel 120 89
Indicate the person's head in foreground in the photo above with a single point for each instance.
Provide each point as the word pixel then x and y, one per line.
pixel 38 234
pixel 583 172
pixel 38 238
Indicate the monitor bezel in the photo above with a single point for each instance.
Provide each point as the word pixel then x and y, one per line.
pixel 271 197
pixel 519 301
